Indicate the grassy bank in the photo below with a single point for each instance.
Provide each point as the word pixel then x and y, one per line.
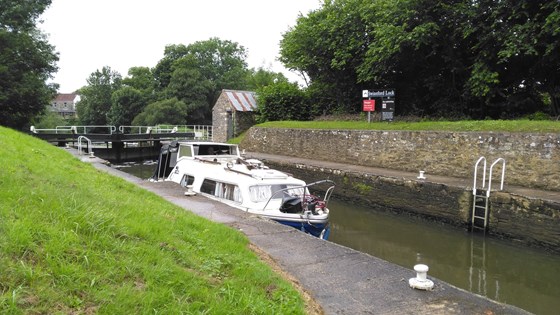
pixel 74 240
pixel 458 126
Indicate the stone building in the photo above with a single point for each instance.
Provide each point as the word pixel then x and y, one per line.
pixel 65 105
pixel 232 114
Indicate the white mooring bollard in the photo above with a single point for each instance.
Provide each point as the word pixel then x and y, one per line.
pixel 421 281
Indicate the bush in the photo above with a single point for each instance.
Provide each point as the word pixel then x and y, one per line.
pixel 538 116
pixel 282 101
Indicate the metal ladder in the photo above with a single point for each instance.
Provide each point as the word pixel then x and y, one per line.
pixel 479 219
pixel 477 268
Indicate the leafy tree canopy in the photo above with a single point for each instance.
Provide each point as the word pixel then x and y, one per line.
pixel 197 73
pixel 126 103
pixel 187 77
pixel 327 45
pixel 445 58
pixel 27 60
pixel 140 78
pixel 259 78
pixel 170 111
pixel 95 103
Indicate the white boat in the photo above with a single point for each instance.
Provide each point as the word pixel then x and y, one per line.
pixel 218 171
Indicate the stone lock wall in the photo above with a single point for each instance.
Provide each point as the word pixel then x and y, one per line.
pixel 529 221
pixel 532 160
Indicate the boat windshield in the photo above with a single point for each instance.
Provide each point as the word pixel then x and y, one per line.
pixel 215 149
pixel 262 193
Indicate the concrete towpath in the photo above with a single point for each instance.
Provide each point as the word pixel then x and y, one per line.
pixel 341 280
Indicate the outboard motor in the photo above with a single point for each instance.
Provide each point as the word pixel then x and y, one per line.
pixel 166 161
pixel 291 205
pixel 312 202
pixel 312 207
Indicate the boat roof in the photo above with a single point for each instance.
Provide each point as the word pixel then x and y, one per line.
pixel 240 174
pixel 218 169
pixel 257 177
pixel 187 142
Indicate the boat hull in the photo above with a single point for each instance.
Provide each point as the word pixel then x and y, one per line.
pixel 319 230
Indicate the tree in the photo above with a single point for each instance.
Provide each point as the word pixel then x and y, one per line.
pixel 164 69
pixel 169 111
pixel 327 46
pixel 27 60
pixel 189 85
pixel 126 103
pixel 419 48
pixel 142 79
pixel 137 91
pixel 283 101
pixel 451 58
pixel 49 120
pixel 196 74
pixel 517 56
pixel 261 77
pixel 95 102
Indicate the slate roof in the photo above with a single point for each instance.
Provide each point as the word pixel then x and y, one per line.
pixel 241 101
pixel 66 97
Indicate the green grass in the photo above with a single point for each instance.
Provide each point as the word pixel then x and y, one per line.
pixel 237 140
pixel 74 240
pixel 457 126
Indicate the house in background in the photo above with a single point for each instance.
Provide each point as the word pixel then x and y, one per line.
pixel 65 105
pixel 233 113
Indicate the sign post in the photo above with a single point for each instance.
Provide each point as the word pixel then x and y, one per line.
pixel 369 106
pixel 387 103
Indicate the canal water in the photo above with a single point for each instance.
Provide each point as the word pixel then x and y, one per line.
pixel 513 274
pixel 518 275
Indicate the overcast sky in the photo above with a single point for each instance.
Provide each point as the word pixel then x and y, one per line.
pixel 91 34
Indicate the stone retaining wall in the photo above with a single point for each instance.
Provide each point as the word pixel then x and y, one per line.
pixel 532 160
pixel 530 221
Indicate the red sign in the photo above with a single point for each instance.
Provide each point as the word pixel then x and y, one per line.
pixel 369 105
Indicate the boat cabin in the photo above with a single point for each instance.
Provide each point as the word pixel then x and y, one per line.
pixel 176 150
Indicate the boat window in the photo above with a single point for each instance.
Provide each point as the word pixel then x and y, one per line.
pixel 226 150
pixel 185 150
pixel 262 193
pixel 206 150
pixel 208 186
pixel 215 149
pixel 221 190
pixel 228 191
pixel 187 180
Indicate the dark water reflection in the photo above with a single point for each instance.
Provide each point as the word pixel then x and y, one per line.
pixel 142 170
pixel 516 275
pixel 521 276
